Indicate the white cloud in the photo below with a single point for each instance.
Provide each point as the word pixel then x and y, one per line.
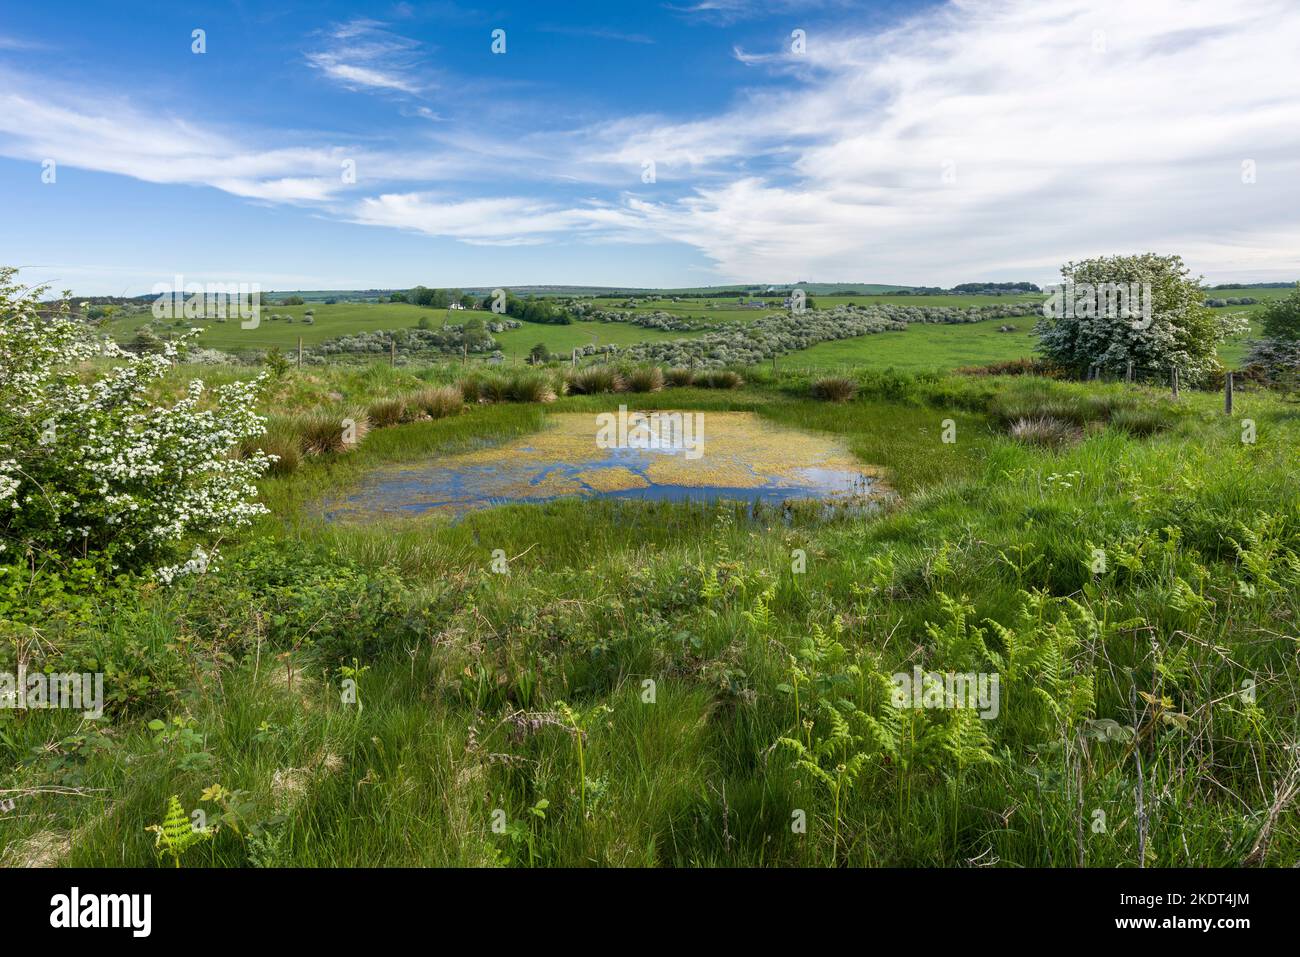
pixel 1059 150
pixel 362 55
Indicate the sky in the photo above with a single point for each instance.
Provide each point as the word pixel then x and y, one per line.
pixel 699 142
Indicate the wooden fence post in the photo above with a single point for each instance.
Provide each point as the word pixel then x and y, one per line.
pixel 300 352
pixel 1128 372
pixel 392 351
pixel 1227 393
pixel 1174 381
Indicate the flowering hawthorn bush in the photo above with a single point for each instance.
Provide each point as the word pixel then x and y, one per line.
pixel 89 464
pixel 1182 333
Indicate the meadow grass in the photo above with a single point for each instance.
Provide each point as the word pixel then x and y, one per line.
pixel 459 752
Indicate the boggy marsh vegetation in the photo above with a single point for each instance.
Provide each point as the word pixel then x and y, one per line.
pixel 660 683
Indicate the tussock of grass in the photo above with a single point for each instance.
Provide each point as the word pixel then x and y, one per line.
pixel 718 379
pixel 530 387
pixel 679 377
pixel 328 432
pixel 438 402
pixel 388 412
pixel 1043 431
pixel 645 379
pixel 835 389
pixel 494 388
pixel 595 380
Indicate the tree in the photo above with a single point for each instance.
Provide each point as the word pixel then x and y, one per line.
pixel 1178 332
pixel 433 298
pixel 539 352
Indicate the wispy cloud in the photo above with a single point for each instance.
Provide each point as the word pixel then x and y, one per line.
pixel 362 55
pixel 728 12
pixel 18 43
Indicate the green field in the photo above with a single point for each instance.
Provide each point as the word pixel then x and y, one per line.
pixel 561 340
pixel 921 347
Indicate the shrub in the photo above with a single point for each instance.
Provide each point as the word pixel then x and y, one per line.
pixel 308 595
pixel 594 380
pixel 680 377
pixel 276 362
pixel 147 341
pixel 650 379
pixel 1275 362
pixel 1181 332
pixel 1280 318
pixel 437 403
pixel 387 412
pixel 835 389
pixel 1043 431
pixel 91 462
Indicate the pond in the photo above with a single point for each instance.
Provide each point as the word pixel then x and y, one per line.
pixel 665 454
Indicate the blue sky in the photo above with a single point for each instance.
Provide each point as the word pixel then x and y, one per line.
pixel 927 143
